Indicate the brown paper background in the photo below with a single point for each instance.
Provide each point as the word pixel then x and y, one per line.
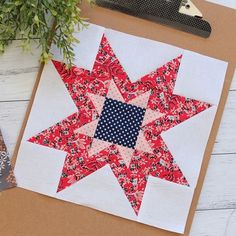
pixel 25 213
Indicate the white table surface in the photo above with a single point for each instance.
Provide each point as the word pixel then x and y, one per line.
pixel 216 210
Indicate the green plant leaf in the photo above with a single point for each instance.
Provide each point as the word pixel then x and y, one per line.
pixel 33 19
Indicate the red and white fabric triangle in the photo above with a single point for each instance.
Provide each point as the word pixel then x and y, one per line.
pixel 150 116
pixel 98 101
pixel 114 93
pixel 88 129
pixel 142 144
pixel 97 146
pixel 141 100
pixel 126 154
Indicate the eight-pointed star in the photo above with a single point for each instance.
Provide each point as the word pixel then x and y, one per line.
pixel 143 110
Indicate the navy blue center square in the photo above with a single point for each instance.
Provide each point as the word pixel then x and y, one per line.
pixel 119 123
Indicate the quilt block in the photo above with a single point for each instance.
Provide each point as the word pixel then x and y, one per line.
pixel 119 125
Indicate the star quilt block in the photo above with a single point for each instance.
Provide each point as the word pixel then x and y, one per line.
pixel 119 125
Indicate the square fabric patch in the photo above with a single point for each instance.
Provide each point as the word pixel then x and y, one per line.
pixel 119 123
pixel 7 178
pixel 122 125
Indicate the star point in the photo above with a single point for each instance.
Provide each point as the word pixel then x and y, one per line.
pixel 126 154
pixel 88 129
pixel 97 146
pixel 141 100
pixel 97 100
pixel 142 143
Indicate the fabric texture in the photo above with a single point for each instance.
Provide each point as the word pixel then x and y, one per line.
pixel 7 178
pixel 119 123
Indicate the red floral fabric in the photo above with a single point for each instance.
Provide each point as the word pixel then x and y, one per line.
pixel 133 178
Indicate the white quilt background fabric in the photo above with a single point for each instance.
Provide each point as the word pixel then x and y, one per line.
pixel 165 204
